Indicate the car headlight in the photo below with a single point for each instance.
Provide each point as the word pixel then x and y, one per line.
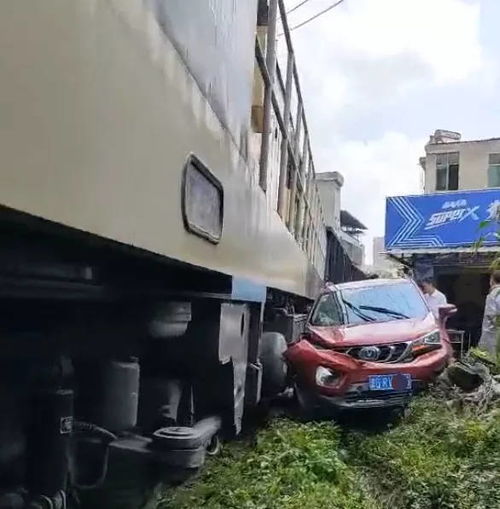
pixel 427 343
pixel 434 338
pixel 326 377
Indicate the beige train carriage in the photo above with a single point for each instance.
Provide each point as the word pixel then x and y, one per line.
pixel 102 102
pixel 158 206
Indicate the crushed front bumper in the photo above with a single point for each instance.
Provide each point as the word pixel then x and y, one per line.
pixel 358 397
pixel 364 402
pixel 352 390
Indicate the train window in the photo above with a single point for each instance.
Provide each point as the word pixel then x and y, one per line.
pixel 202 201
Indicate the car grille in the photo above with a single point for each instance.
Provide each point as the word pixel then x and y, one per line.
pixel 396 352
pixel 376 395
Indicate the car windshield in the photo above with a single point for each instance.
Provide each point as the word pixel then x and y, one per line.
pixel 378 303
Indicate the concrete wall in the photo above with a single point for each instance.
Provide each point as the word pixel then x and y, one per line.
pixel 473 162
pixel 353 247
pixel 380 261
pixel 329 186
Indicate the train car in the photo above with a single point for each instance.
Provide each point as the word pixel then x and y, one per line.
pixel 161 233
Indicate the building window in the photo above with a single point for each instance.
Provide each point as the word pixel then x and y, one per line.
pixel 494 170
pixel 447 171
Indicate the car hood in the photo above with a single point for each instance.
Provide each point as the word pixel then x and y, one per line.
pixel 375 333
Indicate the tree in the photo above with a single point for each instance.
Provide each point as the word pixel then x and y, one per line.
pixel 490 230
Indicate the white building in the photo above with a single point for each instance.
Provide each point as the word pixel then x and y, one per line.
pixel 382 264
pixel 347 228
pixel 451 164
pixel 380 259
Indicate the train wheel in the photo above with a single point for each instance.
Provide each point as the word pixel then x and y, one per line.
pixel 274 368
pixel 214 446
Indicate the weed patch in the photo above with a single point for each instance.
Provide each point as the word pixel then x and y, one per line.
pixel 437 458
pixel 290 465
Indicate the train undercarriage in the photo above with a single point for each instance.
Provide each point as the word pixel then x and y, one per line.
pixel 117 367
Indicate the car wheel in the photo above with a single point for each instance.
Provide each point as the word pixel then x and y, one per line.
pixel 274 368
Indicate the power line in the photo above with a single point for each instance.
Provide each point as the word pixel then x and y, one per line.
pixel 317 15
pixel 297 6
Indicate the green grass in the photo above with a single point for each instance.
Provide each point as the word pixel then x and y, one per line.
pixel 289 466
pixel 435 459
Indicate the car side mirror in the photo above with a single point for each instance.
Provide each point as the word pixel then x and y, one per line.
pixel 447 311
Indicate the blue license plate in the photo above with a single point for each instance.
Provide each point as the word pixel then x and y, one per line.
pixel 396 382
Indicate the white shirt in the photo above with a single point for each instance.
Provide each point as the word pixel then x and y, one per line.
pixel 434 300
pixel 491 312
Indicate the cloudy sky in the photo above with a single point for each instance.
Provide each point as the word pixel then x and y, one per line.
pixel 379 76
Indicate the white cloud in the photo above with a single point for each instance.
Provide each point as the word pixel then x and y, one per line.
pixel 443 34
pixel 359 58
pixel 406 42
pixel 374 169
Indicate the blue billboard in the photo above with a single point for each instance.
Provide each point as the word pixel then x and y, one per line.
pixel 442 220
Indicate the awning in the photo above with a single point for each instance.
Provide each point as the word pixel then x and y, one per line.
pixel 441 250
pixel 467 258
pixel 347 220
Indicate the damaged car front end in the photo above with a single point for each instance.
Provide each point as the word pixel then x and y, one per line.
pixel 368 344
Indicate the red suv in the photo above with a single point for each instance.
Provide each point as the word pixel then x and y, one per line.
pixel 368 344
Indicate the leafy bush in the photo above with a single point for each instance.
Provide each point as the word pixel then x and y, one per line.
pixel 437 459
pixel 290 466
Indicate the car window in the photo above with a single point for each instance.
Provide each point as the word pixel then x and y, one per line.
pixel 354 306
pixel 327 312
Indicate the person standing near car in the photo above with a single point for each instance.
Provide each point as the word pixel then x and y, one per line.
pixel 489 341
pixel 433 296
